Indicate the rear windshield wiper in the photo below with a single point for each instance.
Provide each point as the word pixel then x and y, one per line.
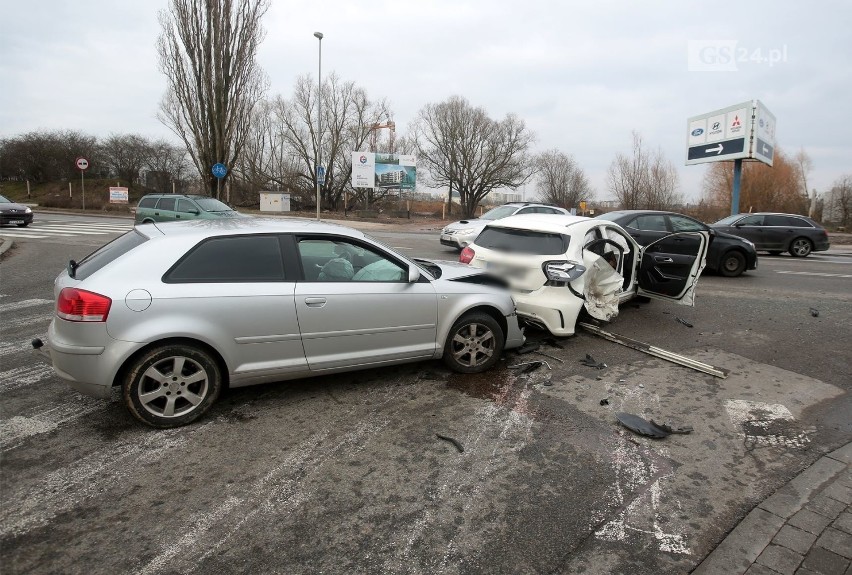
pixel 72 268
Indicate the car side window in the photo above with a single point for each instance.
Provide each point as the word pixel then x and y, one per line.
pixel 167 204
pixel 798 222
pixel 230 259
pixel 338 260
pixel 650 223
pixel 682 224
pixel 184 206
pixel 751 221
pixel 525 211
pixel 147 202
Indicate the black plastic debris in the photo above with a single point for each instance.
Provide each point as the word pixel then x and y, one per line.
pixel 551 341
pixel 814 312
pixel 528 347
pixel 684 322
pixel 684 429
pixel 589 361
pixel 527 367
pixel 641 426
pixel 605 401
pixel 451 440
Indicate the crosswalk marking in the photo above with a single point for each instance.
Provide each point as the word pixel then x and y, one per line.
pixel 820 274
pixel 41 229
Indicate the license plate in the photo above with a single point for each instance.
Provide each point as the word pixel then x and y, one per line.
pixel 16 221
pixel 446 237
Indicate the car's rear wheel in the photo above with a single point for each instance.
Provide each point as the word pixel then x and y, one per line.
pixel 172 385
pixel 801 247
pixel 733 264
pixel 474 344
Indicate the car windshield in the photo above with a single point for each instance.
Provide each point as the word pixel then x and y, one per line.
pixel 212 205
pixel 523 241
pixel 499 212
pixel 5 201
pixel 728 220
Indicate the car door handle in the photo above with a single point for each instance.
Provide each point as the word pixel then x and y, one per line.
pixel 315 301
pixel 663 260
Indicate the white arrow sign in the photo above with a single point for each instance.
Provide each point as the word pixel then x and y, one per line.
pixel 718 149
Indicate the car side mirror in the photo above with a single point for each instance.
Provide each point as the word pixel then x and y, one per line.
pixel 413 274
pixel 194 212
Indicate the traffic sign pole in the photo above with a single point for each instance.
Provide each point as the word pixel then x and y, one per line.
pixel 735 191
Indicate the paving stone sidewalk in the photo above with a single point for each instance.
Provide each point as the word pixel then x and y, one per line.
pixel 804 528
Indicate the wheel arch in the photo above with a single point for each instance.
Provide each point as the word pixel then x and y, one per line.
pixel 492 311
pixel 217 357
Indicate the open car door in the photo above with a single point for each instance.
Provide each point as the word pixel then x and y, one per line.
pixel 672 276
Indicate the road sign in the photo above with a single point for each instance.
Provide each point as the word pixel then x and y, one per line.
pixel 720 135
pixel 220 170
pixel 320 175
pixel 82 164
pixel 763 145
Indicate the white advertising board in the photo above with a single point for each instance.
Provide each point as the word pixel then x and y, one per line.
pixel 742 131
pixel 363 170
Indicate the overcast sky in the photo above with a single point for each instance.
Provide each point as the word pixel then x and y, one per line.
pixel 582 75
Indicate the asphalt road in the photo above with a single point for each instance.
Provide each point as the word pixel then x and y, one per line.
pixel 345 474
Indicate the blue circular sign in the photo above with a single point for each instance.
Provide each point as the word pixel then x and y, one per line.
pixel 219 170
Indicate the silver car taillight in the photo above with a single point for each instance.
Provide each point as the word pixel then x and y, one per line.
pixel 559 273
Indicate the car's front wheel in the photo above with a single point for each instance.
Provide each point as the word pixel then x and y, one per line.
pixel 172 385
pixel 733 264
pixel 474 344
pixel 801 247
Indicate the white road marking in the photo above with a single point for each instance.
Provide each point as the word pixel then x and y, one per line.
pixel 6 307
pixel 24 235
pixel 27 320
pixel 825 275
pixel 25 375
pixel 8 348
pixel 755 420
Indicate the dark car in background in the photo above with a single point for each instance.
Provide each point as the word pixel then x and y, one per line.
pixel 777 233
pixel 14 214
pixel 728 255
pixel 178 207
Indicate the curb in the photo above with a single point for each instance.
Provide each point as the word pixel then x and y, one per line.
pixel 5 245
pixel 742 546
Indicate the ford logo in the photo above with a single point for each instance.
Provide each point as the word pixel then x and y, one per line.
pixel 697 131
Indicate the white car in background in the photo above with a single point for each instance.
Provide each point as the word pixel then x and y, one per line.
pixel 557 265
pixel 460 234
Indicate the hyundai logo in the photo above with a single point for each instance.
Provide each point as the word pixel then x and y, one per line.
pixel 697 131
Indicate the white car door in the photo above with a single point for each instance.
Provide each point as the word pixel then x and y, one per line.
pixel 671 276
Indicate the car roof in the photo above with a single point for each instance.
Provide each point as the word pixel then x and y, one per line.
pixel 554 223
pixel 240 226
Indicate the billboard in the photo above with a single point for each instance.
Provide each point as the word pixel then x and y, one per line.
pixel 387 171
pixel 741 131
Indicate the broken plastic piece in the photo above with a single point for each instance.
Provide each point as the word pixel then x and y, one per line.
pixel 451 440
pixel 551 341
pixel 605 401
pixel 684 322
pixel 590 362
pixel 550 356
pixel 814 312
pixel 640 425
pixel 528 347
pixel 684 429
pixel 529 366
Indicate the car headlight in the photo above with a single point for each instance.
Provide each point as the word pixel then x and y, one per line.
pixel 28 211
pixel 562 272
pixel 748 242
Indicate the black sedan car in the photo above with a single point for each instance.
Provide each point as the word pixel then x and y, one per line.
pixel 12 213
pixel 776 233
pixel 728 255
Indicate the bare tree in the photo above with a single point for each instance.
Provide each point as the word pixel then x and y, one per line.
pixel 644 180
pixel 841 199
pixel 285 141
pixel 168 167
pixel 560 180
pixel 207 51
pixel 124 155
pixel 44 156
pixel 464 149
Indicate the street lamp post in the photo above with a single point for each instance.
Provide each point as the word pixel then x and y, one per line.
pixel 318 36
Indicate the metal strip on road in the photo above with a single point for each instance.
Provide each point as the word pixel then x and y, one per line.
pixel 820 274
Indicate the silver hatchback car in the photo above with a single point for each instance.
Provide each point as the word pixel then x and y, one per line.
pixel 172 313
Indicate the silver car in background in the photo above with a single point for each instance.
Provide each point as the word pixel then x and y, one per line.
pixel 172 313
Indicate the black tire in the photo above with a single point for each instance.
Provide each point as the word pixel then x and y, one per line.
pixel 801 248
pixel 774 252
pixel 732 264
pixel 474 344
pixel 23 225
pixel 161 398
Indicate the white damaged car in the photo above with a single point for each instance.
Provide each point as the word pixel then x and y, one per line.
pixel 557 265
